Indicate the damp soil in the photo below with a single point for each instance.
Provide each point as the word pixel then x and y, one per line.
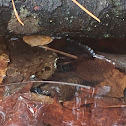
pixel 33 64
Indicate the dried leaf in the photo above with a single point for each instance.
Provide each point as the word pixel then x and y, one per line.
pixel 19 109
pixel 117 81
pixel 4 59
pixel 107 116
pixel 42 98
pixel 94 70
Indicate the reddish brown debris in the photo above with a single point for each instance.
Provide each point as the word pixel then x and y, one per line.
pixel 94 70
pixel 116 80
pixel 19 109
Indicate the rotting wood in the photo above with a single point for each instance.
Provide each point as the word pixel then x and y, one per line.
pixel 64 18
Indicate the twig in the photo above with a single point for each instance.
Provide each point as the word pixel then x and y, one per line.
pixel 60 52
pixel 49 82
pixel 115 106
pixel 16 13
pixel 88 12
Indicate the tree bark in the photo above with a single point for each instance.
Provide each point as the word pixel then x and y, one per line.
pixel 62 18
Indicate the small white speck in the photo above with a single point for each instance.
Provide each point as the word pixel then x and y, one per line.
pixel 107 15
pixel 21 98
pixel 31 110
pixel 32 76
pixel 50 21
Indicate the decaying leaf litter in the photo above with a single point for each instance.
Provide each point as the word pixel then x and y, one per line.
pixel 104 92
pixel 101 94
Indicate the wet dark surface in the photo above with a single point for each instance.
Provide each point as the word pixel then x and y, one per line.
pixel 64 18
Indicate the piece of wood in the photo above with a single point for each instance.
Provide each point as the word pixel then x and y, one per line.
pixel 63 18
pixel 60 52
